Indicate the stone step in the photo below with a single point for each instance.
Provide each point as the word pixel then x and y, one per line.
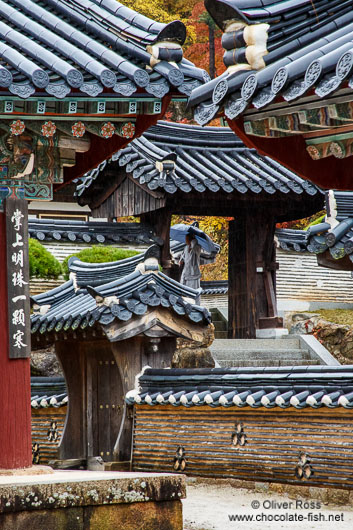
pixel 256 344
pixel 221 334
pixel 226 363
pixel 260 354
pixel 220 325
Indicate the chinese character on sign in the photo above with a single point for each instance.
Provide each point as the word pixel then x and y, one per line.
pixel 18 280
pixel 18 317
pixel 16 219
pixel 19 297
pixel 18 242
pixel 18 336
pixel 17 258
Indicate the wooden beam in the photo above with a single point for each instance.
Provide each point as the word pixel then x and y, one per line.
pixel 326 260
pixel 102 148
pixel 158 318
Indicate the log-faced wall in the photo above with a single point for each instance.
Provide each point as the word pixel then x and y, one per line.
pixel 305 447
pixel 47 428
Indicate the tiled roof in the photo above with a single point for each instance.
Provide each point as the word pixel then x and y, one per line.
pixel 308 49
pixel 174 156
pixel 86 47
pixel 102 232
pixel 215 287
pixel 335 235
pixel 289 239
pixel 299 387
pixel 48 392
pixel 100 293
pixel 91 232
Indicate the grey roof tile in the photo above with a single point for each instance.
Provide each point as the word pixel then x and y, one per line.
pixel 307 47
pixel 198 164
pixel 48 392
pixel 299 387
pixel 76 303
pixel 92 46
pixel 336 238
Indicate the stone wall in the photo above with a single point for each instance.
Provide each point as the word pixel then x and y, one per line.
pixel 190 354
pixel 337 338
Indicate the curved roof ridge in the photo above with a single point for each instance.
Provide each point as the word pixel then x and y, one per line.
pixel 90 46
pixel 204 159
pixel 300 47
pixel 76 265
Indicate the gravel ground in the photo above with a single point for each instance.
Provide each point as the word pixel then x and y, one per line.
pixel 208 507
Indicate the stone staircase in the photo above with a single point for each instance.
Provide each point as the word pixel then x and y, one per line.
pixel 220 322
pixel 296 350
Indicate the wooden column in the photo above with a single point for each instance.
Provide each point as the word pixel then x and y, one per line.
pixel 251 295
pixel 131 356
pixel 160 221
pixel 73 443
pixel 15 385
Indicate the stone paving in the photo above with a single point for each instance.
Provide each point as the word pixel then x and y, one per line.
pixel 210 506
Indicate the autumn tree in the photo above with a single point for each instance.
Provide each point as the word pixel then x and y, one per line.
pixel 166 11
pixel 206 52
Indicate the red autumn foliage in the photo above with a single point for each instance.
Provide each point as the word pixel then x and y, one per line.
pixel 198 53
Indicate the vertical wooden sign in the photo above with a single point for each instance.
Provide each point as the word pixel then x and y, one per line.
pixel 18 278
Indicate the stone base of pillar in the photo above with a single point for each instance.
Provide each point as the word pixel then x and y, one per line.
pixel 271 333
pixel 33 470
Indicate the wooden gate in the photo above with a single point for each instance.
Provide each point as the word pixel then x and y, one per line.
pixel 104 404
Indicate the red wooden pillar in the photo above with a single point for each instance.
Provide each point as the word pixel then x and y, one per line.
pixel 15 385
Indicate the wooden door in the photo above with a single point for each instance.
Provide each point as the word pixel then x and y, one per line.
pixel 104 404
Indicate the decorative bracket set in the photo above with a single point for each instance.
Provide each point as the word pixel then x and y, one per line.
pixel 34 153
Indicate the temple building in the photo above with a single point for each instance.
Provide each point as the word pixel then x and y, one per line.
pixel 184 169
pixel 331 240
pixel 287 90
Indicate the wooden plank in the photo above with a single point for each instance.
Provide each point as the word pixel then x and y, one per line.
pixel 90 412
pixel 73 442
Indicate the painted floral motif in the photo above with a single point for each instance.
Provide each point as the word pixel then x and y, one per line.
pixel 128 130
pixel 107 130
pixel 48 129
pixel 17 127
pixel 78 129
